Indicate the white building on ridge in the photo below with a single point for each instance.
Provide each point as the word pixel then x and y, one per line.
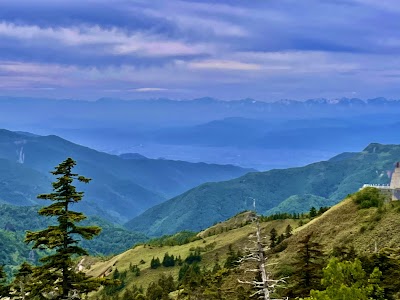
pixel 393 187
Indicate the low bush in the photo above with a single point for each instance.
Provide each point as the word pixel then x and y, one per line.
pixel 369 197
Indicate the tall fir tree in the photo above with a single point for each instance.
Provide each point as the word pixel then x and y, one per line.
pixel 23 282
pixel 4 288
pixel 273 236
pixel 57 275
pixel 309 264
pixel 288 231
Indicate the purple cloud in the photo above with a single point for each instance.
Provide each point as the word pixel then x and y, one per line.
pixel 187 49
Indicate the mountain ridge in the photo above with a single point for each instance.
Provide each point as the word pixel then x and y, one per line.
pixel 120 188
pixel 332 180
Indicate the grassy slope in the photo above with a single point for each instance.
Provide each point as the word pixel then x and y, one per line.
pixel 237 237
pixel 343 224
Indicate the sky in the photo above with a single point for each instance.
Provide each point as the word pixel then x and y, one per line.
pixel 261 49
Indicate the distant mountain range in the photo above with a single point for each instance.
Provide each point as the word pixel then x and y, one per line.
pixel 319 184
pixel 121 188
pixel 114 113
pixel 248 133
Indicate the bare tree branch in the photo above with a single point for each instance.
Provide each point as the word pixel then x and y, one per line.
pixel 266 287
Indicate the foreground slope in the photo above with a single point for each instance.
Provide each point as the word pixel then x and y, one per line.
pixel 214 245
pixel 344 225
pixel 120 188
pixel 368 230
pixel 329 180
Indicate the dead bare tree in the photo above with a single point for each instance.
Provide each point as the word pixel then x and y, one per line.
pixel 266 287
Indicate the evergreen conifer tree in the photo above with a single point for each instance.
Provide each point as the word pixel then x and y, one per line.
pixel 273 236
pixel 56 276
pixel 3 286
pixel 313 212
pixel 155 263
pixel 309 266
pixel 23 282
pixel 288 231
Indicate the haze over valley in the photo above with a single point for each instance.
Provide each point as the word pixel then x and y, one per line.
pixel 246 133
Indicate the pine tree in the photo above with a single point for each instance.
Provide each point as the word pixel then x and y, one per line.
pixel 313 212
pixel 155 263
pixel 273 235
pixel 57 275
pixel 288 231
pixel 309 266
pixel 4 289
pixel 232 261
pixel 168 261
pixel 22 284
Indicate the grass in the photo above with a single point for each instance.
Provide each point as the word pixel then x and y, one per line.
pixel 347 225
pixel 237 237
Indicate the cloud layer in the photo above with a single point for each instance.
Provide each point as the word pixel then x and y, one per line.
pixel 266 50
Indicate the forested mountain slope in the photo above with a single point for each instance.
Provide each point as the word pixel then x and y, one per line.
pixel 331 180
pixel 15 220
pixel 120 188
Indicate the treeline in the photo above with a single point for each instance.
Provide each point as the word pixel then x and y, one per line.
pixel 303 217
pixel 180 238
pixel 296 216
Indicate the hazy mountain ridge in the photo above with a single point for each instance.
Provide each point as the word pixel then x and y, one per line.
pixel 210 130
pixel 120 188
pixel 214 202
pixel 174 112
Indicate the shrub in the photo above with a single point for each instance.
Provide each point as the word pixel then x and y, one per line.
pixel 280 247
pixel 369 197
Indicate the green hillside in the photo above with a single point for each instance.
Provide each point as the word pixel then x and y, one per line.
pixel 121 188
pixel 19 184
pixel 371 232
pixel 331 180
pixel 299 204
